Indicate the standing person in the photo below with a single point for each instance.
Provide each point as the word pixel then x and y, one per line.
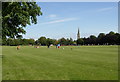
pixel 56 45
pixel 48 46
pixel 18 47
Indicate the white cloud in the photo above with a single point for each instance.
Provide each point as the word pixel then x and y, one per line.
pixel 105 9
pixel 60 20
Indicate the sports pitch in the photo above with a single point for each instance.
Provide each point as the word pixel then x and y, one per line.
pixel 78 63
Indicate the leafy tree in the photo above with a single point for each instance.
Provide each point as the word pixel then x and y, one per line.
pixel 10 42
pixel 49 42
pixel 17 42
pixel 16 16
pixel 56 42
pixel 4 41
pixel 42 40
pixel 80 41
pixel 25 42
pixel 110 38
pixel 92 39
pixel 62 41
pixel 111 33
pixel 71 41
pixel 31 41
pixel 101 39
pixel 117 37
pixel 36 42
pixel 85 41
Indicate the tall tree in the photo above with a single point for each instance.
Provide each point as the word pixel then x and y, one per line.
pixel 101 39
pixel 110 38
pixel 31 41
pixel 49 42
pixel 80 41
pixel 10 42
pixel 62 41
pixel 42 40
pixel 16 16
pixel 92 39
pixel 71 41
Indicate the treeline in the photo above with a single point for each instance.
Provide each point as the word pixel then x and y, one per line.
pixel 43 41
pixel 15 42
pixel 102 39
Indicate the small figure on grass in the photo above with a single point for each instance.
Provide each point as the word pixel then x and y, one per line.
pixel 48 46
pixel 18 47
pixel 58 46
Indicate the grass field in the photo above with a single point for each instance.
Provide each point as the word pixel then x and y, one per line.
pixel 80 63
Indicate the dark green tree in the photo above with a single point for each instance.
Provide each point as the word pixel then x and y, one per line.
pixel 25 42
pixel 16 16
pixel 71 41
pixel 110 38
pixel 10 42
pixel 17 42
pixel 4 41
pixel 62 41
pixel 37 42
pixel 31 41
pixel 42 41
pixel 49 42
pixel 101 39
pixel 80 41
pixel 92 39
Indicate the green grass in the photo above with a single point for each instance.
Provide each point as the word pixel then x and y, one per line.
pixel 80 63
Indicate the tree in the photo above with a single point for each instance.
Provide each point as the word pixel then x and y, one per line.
pixel 101 39
pixel 92 39
pixel 4 41
pixel 118 40
pixel 56 42
pixel 62 41
pixel 42 41
pixel 71 41
pixel 36 42
pixel 110 38
pixel 117 37
pixel 10 42
pixel 80 41
pixel 17 42
pixel 31 41
pixel 25 42
pixel 16 16
pixel 111 33
pixel 49 42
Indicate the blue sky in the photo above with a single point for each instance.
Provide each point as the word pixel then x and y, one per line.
pixel 62 19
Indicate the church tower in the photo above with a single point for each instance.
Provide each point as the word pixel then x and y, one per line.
pixel 78 34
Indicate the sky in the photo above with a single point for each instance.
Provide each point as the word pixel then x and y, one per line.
pixel 62 19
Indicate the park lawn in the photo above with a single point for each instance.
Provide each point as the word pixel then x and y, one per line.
pixel 80 63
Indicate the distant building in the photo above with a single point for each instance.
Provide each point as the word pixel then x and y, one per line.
pixel 78 34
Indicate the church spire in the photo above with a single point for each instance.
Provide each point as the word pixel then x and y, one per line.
pixel 78 34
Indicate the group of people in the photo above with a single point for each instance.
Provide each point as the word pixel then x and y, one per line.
pixel 57 46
